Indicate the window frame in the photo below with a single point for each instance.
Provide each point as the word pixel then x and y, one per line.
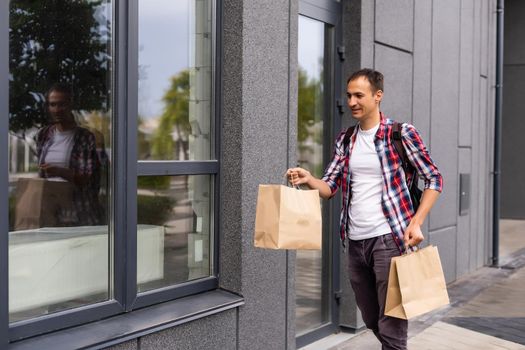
pixel 4 178
pixel 126 168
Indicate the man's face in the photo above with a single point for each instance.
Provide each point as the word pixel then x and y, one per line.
pixel 59 106
pixel 361 100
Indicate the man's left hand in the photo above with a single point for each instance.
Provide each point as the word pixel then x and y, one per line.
pixel 413 235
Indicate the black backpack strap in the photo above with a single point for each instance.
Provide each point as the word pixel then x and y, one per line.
pixel 415 192
pixel 348 135
pixel 398 145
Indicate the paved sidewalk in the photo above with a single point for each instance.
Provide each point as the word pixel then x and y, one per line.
pixel 487 311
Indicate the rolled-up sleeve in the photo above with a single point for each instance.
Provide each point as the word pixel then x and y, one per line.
pixel 334 170
pixel 419 157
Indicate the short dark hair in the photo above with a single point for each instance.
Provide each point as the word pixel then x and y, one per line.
pixel 62 88
pixel 374 77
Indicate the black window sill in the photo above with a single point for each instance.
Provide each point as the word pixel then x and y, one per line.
pixel 134 324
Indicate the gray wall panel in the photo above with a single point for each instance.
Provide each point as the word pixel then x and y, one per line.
pixel 513 168
pixel 444 239
pixel 356 27
pixel 210 333
pixel 394 23
pixel 367 34
pixel 256 111
pixel 491 99
pixel 262 322
pixel 231 157
pixel 478 192
pixel 292 160
pixel 514 49
pixel 464 232
pixel 484 24
pixel 484 179
pixel 477 228
pixel 353 34
pixel 465 77
pixel 445 91
pixel 512 186
pixel 397 68
pixel 422 68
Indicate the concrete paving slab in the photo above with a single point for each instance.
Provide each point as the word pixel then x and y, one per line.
pixel 505 299
pixel 444 336
pixel 512 236
pixel 365 340
pixel 511 329
pixel 330 342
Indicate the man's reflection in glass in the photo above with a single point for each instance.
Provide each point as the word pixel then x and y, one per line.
pixel 67 153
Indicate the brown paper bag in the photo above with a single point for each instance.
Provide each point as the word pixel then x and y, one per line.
pixel 287 218
pixel 416 284
pixel 41 203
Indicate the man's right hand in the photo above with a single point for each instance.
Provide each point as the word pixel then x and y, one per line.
pixel 298 176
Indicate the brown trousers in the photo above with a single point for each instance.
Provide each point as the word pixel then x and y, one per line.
pixel 369 266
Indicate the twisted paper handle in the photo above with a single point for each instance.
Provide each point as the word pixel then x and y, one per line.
pixel 292 183
pixel 408 249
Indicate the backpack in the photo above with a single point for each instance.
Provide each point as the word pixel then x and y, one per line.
pixel 415 192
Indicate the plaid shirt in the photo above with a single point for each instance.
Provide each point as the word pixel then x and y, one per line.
pixel 84 160
pixel 395 201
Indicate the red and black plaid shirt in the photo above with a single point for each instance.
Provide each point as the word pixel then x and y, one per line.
pixel 395 202
pixel 84 160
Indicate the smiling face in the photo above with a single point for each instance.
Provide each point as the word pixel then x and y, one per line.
pixel 363 101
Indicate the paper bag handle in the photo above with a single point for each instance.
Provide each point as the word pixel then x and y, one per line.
pixel 408 250
pixel 289 184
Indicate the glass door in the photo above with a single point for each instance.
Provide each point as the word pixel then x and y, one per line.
pixel 315 273
pixel 311 289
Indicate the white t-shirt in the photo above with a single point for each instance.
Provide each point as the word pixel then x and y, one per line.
pixel 59 151
pixel 365 212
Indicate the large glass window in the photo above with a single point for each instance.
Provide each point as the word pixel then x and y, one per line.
pixel 175 79
pixel 175 212
pixel 175 128
pixel 60 117
pixel 72 180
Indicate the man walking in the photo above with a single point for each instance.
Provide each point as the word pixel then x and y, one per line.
pixel 377 214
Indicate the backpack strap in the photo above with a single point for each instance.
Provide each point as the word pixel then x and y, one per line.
pixel 348 134
pixel 398 145
pixel 415 192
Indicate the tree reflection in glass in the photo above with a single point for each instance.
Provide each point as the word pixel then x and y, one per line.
pixel 60 98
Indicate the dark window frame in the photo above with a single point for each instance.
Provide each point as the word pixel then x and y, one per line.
pixel 330 13
pixel 126 168
pixel 4 178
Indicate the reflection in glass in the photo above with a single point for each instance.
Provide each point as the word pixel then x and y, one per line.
pixel 59 146
pixel 310 308
pixel 175 80
pixel 173 213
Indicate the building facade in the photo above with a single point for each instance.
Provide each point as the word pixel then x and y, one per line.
pixel 189 106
